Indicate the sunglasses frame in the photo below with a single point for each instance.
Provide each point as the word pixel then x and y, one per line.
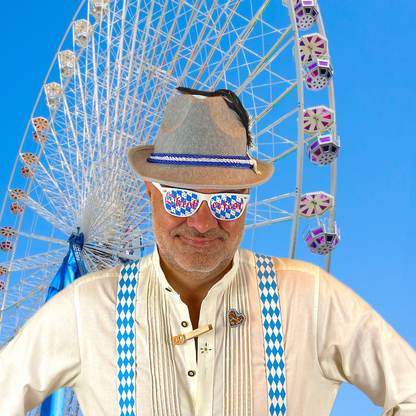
pixel 202 197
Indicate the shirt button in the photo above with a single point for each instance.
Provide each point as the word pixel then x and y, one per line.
pixel 184 324
pixel 191 373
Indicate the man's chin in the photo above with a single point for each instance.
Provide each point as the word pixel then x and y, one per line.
pixel 200 263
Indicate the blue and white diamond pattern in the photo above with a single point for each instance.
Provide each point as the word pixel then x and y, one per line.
pixel 126 294
pixel 226 204
pixel 181 202
pixel 273 338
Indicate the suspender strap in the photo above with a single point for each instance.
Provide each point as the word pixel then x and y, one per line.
pixel 126 294
pixel 273 337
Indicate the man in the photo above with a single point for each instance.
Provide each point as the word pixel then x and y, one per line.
pixel 201 327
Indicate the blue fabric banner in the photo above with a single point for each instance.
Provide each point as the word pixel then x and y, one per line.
pixel 71 268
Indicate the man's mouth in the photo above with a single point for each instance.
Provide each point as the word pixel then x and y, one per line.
pixel 199 241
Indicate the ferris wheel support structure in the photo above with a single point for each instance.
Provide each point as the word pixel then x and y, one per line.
pixel 333 189
pixel 300 145
pixel 301 141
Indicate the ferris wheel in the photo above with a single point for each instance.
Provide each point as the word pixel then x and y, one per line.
pixel 117 66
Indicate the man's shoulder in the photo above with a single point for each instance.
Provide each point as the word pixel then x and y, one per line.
pixel 101 277
pixel 281 264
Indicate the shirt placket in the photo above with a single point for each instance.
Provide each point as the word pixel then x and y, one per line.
pixel 206 357
pixel 199 367
pixel 180 322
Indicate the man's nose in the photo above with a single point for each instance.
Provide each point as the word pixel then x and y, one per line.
pixel 202 220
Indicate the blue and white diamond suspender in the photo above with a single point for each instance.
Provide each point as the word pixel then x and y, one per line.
pixel 126 374
pixel 272 329
pixel 273 337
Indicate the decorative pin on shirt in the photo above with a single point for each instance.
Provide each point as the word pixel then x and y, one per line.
pixel 235 318
pixel 181 338
pixel 205 349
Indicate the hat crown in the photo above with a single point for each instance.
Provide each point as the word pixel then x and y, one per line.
pixel 205 126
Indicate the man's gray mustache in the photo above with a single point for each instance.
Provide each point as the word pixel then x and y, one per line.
pixel 193 232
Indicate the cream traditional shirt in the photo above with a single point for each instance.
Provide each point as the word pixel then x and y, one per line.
pixel 330 336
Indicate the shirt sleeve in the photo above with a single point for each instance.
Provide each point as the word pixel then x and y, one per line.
pixel 357 346
pixel 42 357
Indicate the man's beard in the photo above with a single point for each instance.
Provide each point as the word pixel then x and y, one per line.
pixel 201 261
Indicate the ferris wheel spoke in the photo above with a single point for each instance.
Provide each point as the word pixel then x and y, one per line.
pixel 72 135
pixel 9 309
pixel 58 161
pixel 102 257
pixel 15 326
pixel 288 90
pixel 228 58
pixel 22 295
pixel 217 36
pixel 37 260
pixel 268 212
pixel 146 65
pixel 131 230
pixel 98 252
pixel 198 45
pixel 48 216
pixel 162 88
pixel 118 154
pixel 138 234
pixel 117 78
pixel 277 122
pixel 105 217
pixel 139 217
pixel 43 238
pixel 268 58
pixel 291 150
pixel 49 188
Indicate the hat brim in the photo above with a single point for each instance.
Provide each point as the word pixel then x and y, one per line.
pixel 190 176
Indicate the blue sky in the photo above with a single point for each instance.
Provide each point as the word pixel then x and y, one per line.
pixel 370 44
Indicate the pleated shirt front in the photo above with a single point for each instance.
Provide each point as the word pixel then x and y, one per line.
pixel 330 336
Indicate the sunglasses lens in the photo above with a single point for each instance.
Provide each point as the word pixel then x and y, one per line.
pixel 181 203
pixel 227 206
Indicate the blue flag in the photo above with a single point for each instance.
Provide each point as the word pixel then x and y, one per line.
pixel 71 268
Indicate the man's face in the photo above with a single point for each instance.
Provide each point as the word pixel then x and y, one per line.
pixel 199 243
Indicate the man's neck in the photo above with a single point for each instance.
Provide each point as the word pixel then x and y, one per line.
pixel 193 286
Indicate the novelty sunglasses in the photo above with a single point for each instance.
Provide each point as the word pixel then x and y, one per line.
pixel 185 202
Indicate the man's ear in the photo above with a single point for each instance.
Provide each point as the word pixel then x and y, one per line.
pixel 149 189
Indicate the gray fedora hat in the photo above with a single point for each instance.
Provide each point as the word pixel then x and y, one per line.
pixel 201 143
